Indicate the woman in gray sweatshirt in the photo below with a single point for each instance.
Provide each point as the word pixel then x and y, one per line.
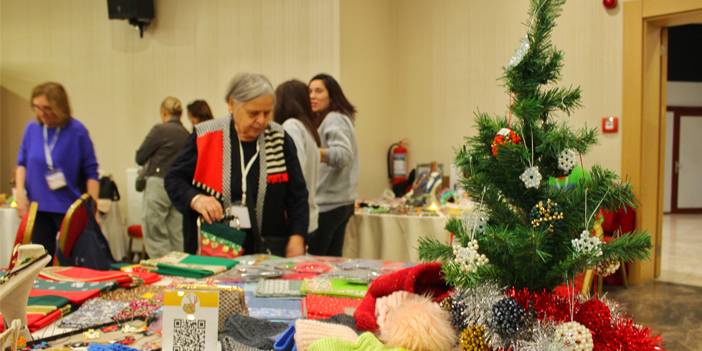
pixel 293 111
pixel 338 173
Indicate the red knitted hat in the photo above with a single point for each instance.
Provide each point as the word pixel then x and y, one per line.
pixel 423 279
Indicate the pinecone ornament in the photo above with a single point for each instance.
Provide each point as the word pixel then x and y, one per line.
pixel 607 268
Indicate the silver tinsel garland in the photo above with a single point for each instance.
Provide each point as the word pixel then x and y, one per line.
pixel 540 338
pixel 615 308
pixel 474 305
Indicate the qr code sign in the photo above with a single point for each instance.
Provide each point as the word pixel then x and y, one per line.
pixel 189 335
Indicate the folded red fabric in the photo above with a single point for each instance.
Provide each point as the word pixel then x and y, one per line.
pixel 321 307
pixel 82 274
pixel 423 279
pixel 147 277
pixel 38 321
pixel 75 297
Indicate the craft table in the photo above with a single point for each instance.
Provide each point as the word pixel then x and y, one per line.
pixel 390 237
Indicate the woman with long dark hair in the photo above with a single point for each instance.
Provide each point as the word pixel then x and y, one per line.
pixel 294 112
pixel 338 172
pixel 198 112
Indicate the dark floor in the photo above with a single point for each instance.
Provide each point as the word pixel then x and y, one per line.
pixel 671 310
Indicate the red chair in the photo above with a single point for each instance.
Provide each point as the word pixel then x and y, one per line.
pixel 26 227
pixel 618 223
pixel 72 227
pixel 135 232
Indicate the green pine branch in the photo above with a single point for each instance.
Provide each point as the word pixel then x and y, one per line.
pixel 454 276
pixel 628 247
pixel 433 250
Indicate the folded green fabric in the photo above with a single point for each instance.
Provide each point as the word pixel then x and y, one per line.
pixel 189 266
pixel 209 261
pixel 48 300
pixel 169 269
pixel 366 342
pixel 224 231
pixel 334 287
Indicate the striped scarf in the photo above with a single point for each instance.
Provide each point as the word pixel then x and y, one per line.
pixel 214 153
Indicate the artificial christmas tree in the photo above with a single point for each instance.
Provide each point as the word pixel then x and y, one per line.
pixel 537 236
pixel 527 236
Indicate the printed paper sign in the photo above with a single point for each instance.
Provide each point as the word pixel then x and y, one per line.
pixel 190 320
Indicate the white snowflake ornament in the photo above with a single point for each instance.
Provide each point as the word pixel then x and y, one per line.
pixel 587 244
pixel 468 257
pixel 566 160
pixel 475 222
pixel 531 177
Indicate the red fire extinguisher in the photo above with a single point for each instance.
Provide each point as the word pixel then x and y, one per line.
pixel 397 163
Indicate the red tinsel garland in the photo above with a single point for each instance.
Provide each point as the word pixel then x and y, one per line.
pixel 546 305
pixel 607 334
pixel 596 316
pixel 626 335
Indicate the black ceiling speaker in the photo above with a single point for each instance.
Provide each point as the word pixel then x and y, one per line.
pixel 139 13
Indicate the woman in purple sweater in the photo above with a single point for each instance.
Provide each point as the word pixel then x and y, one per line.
pixel 56 163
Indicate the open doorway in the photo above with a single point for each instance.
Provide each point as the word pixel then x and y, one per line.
pixel 644 106
pixel 682 197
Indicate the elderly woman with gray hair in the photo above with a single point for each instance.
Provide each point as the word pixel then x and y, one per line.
pixel 244 165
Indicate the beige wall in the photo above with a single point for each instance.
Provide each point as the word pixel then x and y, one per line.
pixel 451 53
pixel 369 79
pixel 413 68
pixel 116 80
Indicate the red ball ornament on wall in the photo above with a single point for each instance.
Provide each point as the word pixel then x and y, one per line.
pixel 609 4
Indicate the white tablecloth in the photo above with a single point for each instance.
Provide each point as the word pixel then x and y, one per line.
pixel 390 237
pixel 9 222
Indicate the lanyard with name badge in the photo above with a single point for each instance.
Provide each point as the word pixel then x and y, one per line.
pixel 241 211
pixel 54 176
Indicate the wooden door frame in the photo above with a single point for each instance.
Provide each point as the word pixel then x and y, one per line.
pixel 644 109
pixel 678 112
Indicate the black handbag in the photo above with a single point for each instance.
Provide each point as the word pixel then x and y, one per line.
pixel 140 183
pixel 108 189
